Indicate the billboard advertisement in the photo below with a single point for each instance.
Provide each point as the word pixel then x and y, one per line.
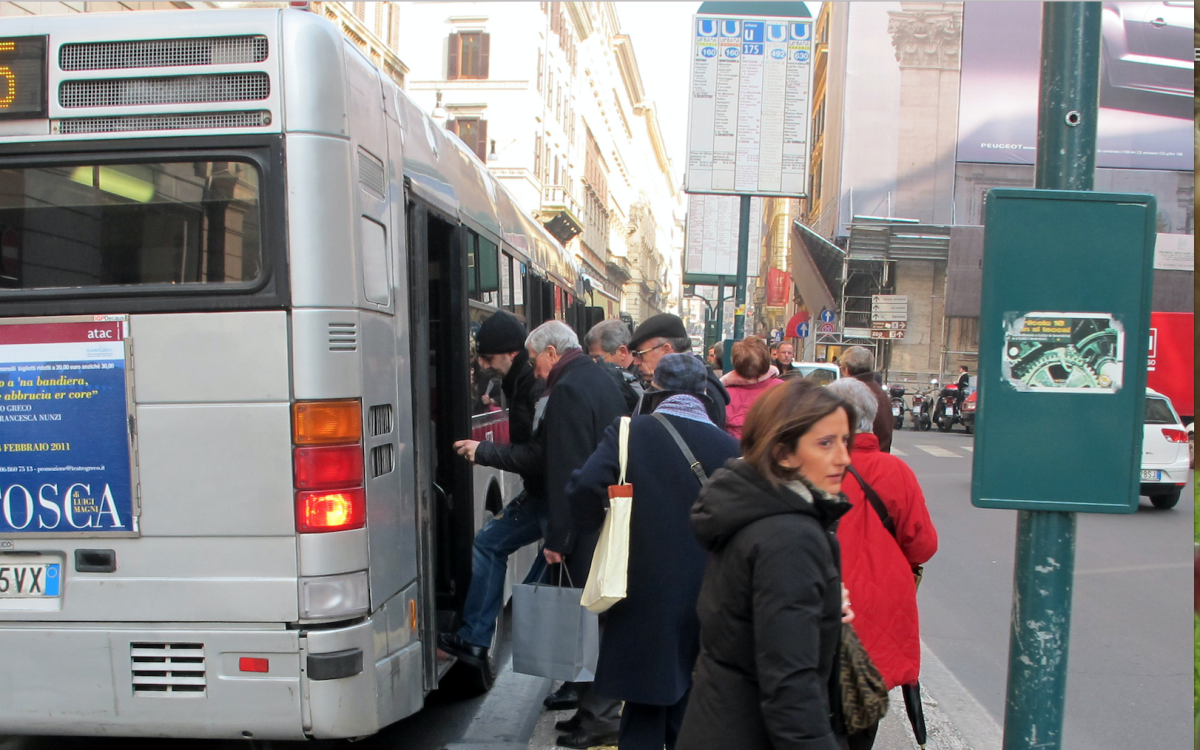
pixel 1147 85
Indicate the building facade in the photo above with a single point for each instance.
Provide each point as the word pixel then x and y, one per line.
pixel 551 97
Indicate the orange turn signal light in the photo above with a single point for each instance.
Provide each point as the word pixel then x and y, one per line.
pixel 326 422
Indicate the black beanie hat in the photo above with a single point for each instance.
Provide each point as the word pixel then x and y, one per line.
pixel 663 325
pixel 500 334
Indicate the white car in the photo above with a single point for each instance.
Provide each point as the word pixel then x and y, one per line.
pixel 1164 452
pixel 821 373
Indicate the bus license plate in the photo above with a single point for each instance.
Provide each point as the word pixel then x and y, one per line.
pixel 1150 475
pixel 28 580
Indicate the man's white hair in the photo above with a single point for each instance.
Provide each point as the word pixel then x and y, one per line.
pixel 552 333
pixel 858 395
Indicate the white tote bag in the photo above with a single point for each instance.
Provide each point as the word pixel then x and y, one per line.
pixel 610 564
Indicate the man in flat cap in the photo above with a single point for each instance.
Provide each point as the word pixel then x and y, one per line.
pixel 664 334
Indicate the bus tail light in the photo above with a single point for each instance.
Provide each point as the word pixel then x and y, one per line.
pixel 326 422
pixel 328 467
pixel 331 510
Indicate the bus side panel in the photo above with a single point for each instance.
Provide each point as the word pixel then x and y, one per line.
pixel 313 75
pixel 321 222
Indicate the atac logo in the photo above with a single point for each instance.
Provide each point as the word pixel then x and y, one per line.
pixel 777 32
pixel 801 32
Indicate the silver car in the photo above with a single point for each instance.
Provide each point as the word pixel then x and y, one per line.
pixel 1145 47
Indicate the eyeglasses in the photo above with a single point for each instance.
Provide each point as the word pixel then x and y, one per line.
pixel 643 352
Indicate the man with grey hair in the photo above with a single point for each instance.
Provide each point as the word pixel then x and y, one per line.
pixel 581 400
pixel 608 343
pixel 858 395
pixel 859 363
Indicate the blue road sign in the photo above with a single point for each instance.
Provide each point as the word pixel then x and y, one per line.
pixel 827 316
pixel 802 331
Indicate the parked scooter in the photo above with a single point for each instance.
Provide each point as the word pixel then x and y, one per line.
pixel 920 412
pixel 897 394
pixel 946 412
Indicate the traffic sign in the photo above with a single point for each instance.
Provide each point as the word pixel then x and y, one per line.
pixel 888 316
pixel 898 298
pixel 802 331
pixel 827 316
pixel 826 328
pixel 885 325
pixel 887 334
pixel 889 306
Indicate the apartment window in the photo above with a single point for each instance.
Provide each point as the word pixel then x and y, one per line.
pixel 468 55
pixel 537 156
pixel 473 132
pixel 546 166
pixel 556 171
pixel 541 69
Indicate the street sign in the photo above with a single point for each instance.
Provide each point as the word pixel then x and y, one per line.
pixel 876 334
pixel 882 325
pixel 826 328
pixel 712 236
pixel 748 120
pixel 1062 350
pixel 827 316
pixel 856 333
pixel 895 298
pixel 890 316
pixel 802 331
pixel 889 306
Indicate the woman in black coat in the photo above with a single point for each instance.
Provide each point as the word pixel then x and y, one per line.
pixel 650 638
pixel 771 604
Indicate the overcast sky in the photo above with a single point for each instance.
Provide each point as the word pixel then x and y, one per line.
pixel 661 34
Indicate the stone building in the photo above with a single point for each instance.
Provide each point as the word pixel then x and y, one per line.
pixel 551 96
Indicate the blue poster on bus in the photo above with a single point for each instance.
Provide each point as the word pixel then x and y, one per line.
pixel 64 429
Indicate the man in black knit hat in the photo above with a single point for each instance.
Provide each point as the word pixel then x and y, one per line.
pixel 500 346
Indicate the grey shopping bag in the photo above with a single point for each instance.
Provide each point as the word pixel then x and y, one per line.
pixel 553 635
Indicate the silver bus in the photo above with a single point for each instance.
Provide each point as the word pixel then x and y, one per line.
pixel 239 272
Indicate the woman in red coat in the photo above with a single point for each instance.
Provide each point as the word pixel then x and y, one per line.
pixel 752 375
pixel 877 568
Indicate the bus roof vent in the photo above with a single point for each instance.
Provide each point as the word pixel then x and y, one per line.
pixel 173 670
pixel 127 92
pixel 188 121
pixel 163 53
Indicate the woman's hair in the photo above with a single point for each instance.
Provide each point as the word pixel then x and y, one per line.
pixel 780 417
pixel 751 359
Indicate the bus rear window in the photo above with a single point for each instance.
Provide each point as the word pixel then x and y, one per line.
pixel 96 225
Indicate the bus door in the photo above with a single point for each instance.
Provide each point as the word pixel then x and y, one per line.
pixel 441 414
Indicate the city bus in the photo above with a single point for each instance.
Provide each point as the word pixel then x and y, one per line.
pixel 239 273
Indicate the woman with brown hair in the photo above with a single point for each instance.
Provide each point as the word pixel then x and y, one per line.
pixel 771 603
pixel 752 375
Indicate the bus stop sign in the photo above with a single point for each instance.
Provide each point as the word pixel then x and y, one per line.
pixel 1063 338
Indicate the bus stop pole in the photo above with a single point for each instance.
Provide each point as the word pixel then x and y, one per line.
pixel 739 300
pixel 720 308
pixel 1044 570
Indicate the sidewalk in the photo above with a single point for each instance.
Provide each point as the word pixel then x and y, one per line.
pixel 971 728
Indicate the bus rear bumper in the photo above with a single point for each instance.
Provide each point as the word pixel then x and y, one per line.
pixel 145 681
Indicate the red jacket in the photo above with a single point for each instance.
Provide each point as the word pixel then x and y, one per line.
pixel 877 569
pixel 742 395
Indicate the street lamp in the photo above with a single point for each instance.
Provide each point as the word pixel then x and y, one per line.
pixel 439 112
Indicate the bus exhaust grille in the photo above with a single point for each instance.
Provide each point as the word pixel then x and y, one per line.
pixel 168 669
pixel 126 92
pixel 379 419
pixel 371 174
pixel 343 337
pixel 163 53
pixel 197 121
pixel 383 460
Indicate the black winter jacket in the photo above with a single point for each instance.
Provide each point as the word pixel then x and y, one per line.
pixel 770 616
pixel 522 455
pixel 584 401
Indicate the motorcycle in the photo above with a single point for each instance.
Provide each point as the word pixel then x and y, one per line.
pixel 946 412
pixel 897 394
pixel 920 413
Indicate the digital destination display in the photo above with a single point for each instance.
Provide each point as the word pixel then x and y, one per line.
pixel 23 77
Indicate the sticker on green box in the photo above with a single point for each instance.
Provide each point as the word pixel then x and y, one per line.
pixel 1061 352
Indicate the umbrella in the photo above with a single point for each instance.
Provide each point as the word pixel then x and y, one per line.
pixel 916 713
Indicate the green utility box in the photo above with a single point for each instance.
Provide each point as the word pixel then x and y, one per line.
pixel 1064 328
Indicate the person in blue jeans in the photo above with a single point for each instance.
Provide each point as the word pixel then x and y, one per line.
pixel 500 348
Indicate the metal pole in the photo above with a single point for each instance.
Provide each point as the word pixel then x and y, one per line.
pixel 739 300
pixel 1039 635
pixel 720 308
